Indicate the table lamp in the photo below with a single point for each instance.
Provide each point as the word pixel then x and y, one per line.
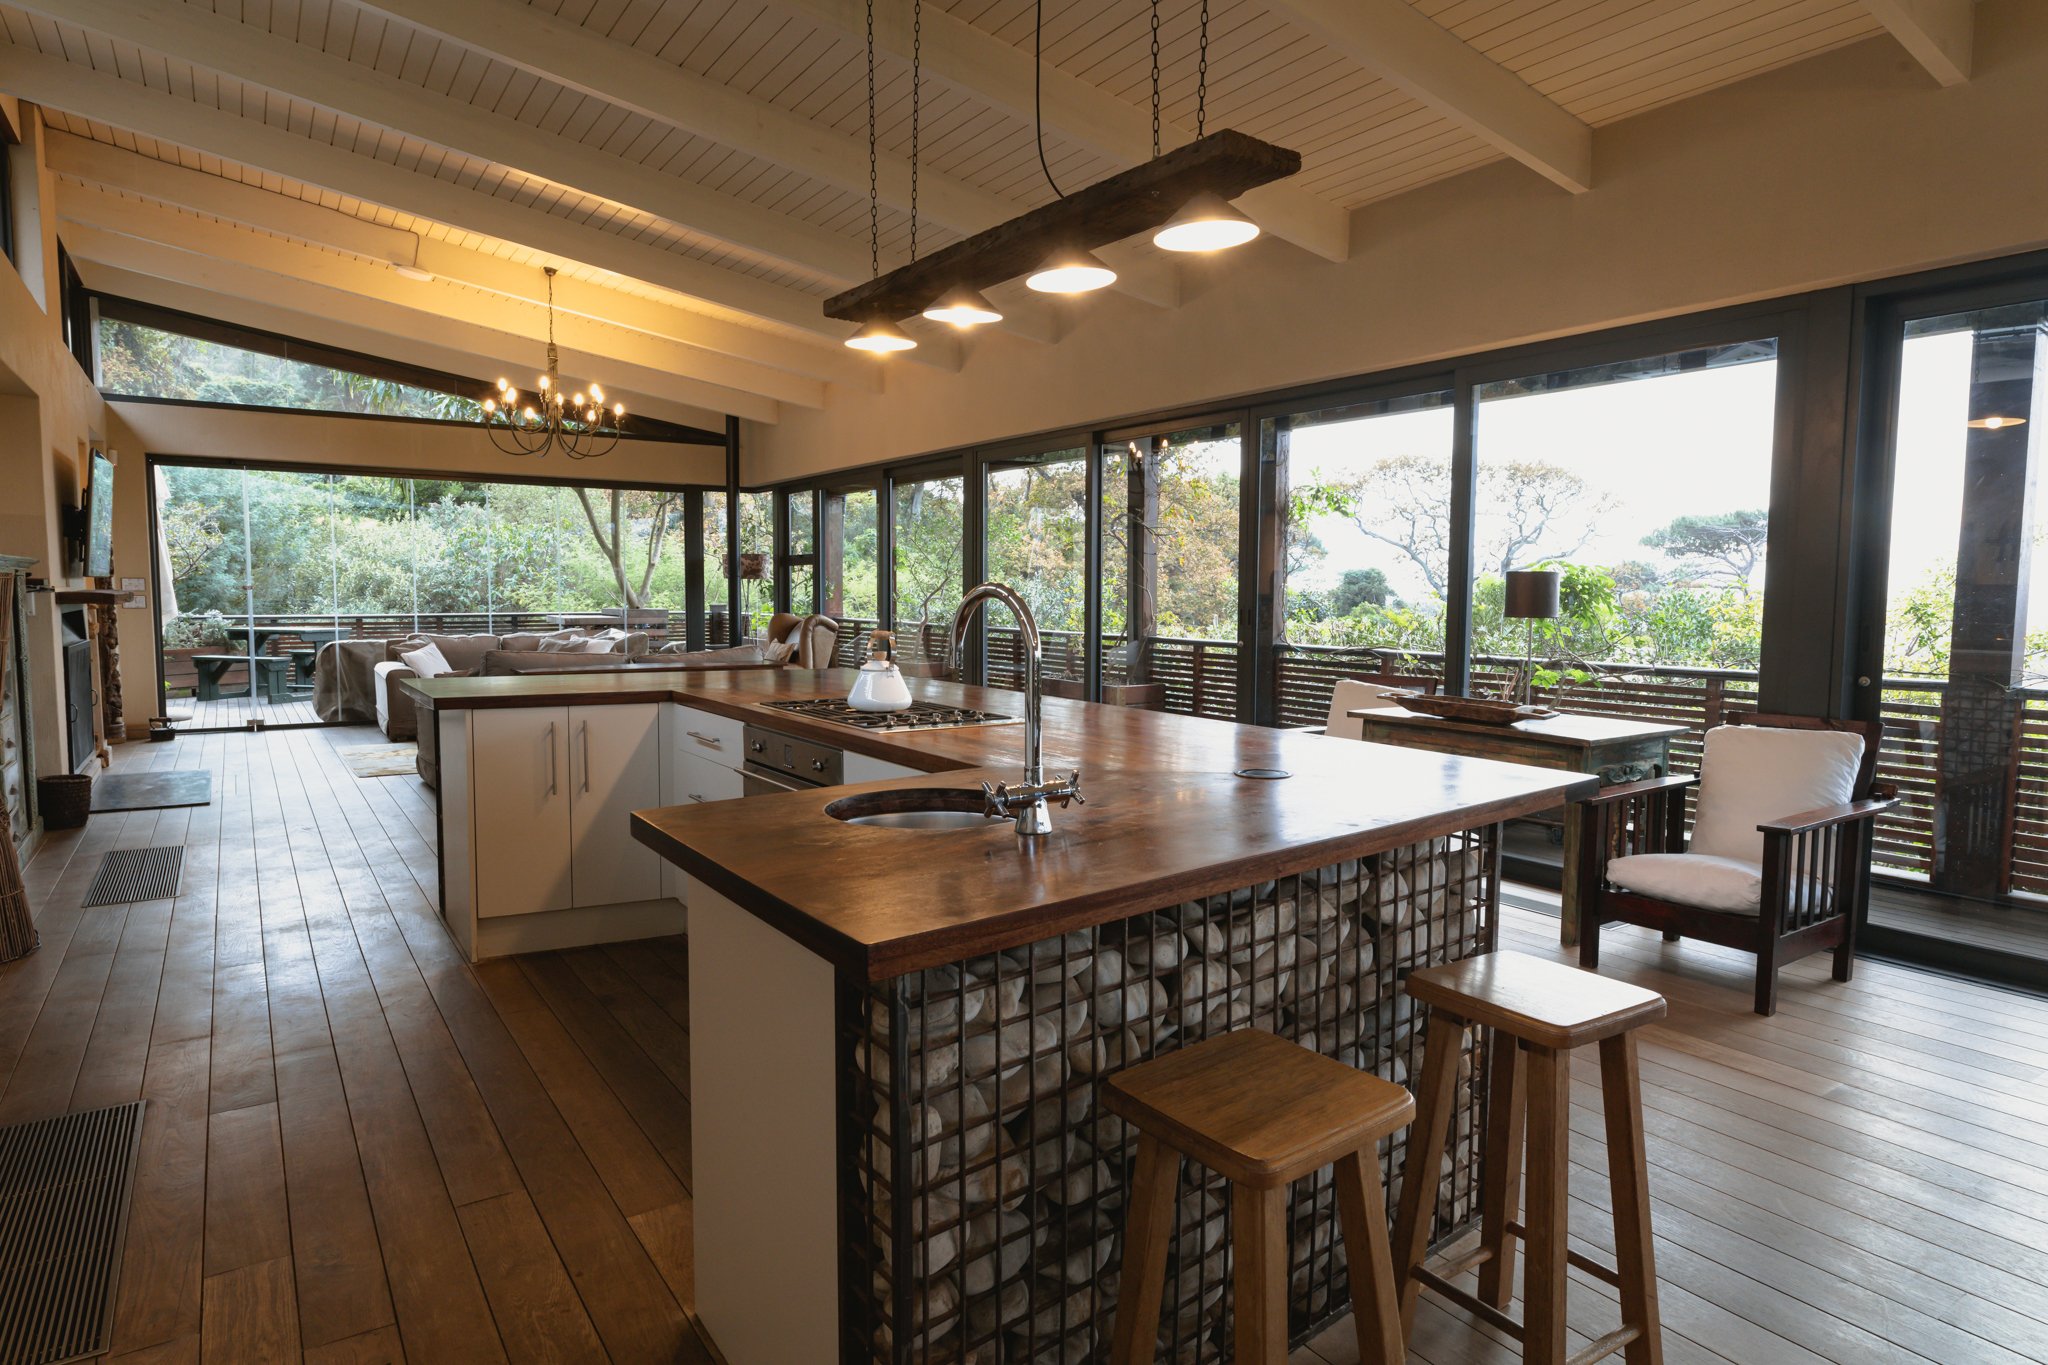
pixel 1532 596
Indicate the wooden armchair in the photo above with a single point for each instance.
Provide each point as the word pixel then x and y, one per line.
pixel 1779 860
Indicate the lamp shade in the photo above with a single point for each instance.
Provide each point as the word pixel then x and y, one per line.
pixel 1532 594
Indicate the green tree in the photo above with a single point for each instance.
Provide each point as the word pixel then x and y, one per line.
pixel 1726 546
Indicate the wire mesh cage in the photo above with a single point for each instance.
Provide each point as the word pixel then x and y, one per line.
pixel 982 1184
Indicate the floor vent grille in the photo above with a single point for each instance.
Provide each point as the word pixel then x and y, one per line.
pixel 137 874
pixel 65 1185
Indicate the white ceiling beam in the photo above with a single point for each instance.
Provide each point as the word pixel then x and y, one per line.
pixel 217 42
pixel 565 52
pixel 236 261
pixel 151 222
pixel 425 348
pixel 1428 62
pixel 105 164
pixel 106 98
pixel 978 62
pixel 1941 34
pixel 791 378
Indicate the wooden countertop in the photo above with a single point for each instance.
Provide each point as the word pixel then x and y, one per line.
pixel 1166 818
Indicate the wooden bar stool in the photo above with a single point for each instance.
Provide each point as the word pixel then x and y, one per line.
pixel 1538 1011
pixel 1262 1112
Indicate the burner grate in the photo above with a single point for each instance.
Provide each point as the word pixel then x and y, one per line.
pixel 919 715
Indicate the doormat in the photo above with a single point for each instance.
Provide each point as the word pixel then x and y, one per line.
pixel 137 874
pixel 382 760
pixel 150 791
pixel 65 1188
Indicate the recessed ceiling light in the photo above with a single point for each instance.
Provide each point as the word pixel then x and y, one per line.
pixel 962 307
pixel 1207 222
pixel 1071 270
pixel 881 335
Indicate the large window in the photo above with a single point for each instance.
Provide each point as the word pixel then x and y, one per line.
pixel 273 563
pixel 1647 483
pixel 1036 541
pixel 1366 535
pixel 849 563
pixel 140 361
pixel 930 526
pixel 1171 511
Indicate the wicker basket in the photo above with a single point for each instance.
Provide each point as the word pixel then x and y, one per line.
pixel 65 801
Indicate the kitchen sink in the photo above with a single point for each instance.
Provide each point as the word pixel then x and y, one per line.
pixel 914 808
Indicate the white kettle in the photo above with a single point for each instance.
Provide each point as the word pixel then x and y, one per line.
pixel 880 685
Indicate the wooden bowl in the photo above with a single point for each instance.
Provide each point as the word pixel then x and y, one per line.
pixel 1477 710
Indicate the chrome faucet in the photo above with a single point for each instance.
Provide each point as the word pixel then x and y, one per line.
pixel 1027 802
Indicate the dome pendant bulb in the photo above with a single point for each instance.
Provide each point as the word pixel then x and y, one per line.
pixel 881 335
pixel 962 307
pixel 1071 271
pixel 1207 222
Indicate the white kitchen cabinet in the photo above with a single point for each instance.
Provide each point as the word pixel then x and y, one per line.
pixel 519 791
pixel 699 780
pixel 614 770
pixel 862 768
pixel 701 756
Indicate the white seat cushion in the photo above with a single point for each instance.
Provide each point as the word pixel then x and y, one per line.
pixel 1696 879
pixel 382 688
pixel 1753 773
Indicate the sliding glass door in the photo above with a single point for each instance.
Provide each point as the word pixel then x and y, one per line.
pixel 1964 686
pixel 929 532
pixel 268 566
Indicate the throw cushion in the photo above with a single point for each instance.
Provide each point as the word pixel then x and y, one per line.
pixel 779 652
pixel 427 661
pixel 1695 879
pixel 1753 773
pixel 594 645
pixel 525 641
pixel 554 644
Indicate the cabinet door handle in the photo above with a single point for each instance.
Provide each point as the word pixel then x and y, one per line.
pixel 695 797
pixel 551 758
pixel 583 728
pixel 708 741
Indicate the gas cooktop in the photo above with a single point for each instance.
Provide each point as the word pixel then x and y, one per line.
pixel 919 715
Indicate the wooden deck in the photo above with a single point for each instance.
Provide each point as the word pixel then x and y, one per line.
pixel 2021 929
pixel 361 1149
pixel 235 713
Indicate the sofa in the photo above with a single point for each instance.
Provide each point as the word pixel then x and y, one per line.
pixel 466 655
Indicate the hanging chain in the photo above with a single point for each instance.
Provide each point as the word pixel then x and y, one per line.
pixel 874 179
pixel 1202 76
pixel 554 357
pixel 916 93
pixel 1155 80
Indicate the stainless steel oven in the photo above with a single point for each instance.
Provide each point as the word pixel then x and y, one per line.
pixel 779 763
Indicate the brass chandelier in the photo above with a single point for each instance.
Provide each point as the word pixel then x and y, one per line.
pixel 577 425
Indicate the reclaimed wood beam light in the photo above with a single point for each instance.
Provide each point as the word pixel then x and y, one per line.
pixel 1225 164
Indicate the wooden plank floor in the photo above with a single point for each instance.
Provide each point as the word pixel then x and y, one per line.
pixel 2020 928
pixel 235 713
pixel 360 1149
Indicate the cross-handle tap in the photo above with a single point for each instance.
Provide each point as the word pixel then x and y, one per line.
pixel 1029 801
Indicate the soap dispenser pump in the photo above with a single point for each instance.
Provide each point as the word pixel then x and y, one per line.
pixel 879 685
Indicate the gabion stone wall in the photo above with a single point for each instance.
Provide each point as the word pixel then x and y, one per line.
pixel 982 1187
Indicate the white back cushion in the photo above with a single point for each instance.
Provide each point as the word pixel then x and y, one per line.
pixel 427 661
pixel 1353 694
pixel 1753 773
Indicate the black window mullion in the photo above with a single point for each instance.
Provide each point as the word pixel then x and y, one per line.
pixel 1464 478
pixel 1091 572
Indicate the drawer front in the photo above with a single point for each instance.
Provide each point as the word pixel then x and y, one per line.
pixel 699 780
pixel 699 734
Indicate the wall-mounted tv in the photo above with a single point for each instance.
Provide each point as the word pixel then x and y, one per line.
pixel 99 518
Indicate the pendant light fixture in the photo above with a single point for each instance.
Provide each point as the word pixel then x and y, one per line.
pixel 1206 222
pixel 1070 270
pixel 879 334
pixel 1180 199
pixel 962 307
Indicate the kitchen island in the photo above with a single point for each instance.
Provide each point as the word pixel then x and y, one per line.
pixel 897 1035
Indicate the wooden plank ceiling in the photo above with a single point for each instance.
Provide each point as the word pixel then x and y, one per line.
pixel 504 159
